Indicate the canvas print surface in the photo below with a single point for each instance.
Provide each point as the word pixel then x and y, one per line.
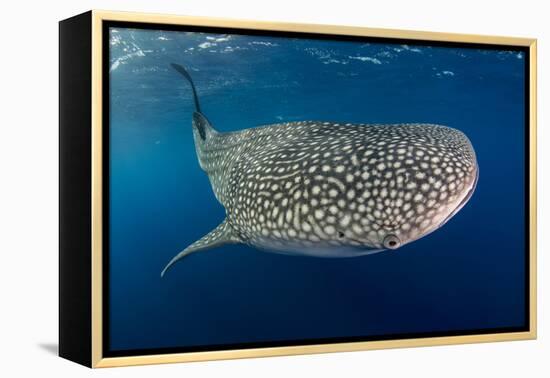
pixel 274 189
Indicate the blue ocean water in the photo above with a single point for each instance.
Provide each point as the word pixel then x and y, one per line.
pixel 468 275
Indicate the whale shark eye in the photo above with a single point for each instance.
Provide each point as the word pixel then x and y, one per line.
pixel 391 241
pixel 341 234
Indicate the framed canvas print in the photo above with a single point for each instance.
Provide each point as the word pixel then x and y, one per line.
pixel 235 189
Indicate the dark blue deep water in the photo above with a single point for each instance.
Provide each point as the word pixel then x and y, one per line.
pixel 468 275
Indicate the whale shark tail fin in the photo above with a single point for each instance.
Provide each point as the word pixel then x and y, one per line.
pixel 186 75
pixel 200 122
pixel 223 234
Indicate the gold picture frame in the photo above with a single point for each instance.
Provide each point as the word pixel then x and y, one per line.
pixel 94 22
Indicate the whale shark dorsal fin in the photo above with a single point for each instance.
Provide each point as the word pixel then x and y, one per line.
pixel 203 126
pixel 223 234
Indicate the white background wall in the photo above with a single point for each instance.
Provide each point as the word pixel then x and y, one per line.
pixel 29 174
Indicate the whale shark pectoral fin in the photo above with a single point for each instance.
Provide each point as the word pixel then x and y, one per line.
pixel 223 234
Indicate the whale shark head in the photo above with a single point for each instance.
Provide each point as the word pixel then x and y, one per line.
pixel 413 179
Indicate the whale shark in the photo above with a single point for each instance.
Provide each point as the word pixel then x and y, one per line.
pixel 331 189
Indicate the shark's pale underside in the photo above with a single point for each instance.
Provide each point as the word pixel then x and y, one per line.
pixel 331 189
